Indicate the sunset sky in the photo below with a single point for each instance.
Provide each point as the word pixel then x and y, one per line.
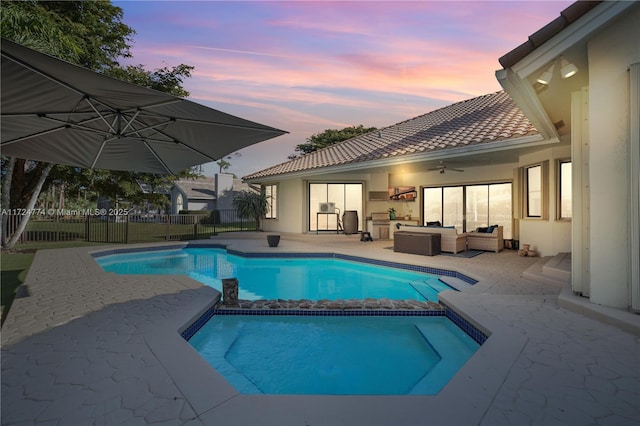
pixel 306 66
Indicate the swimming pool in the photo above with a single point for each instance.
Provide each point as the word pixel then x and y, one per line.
pixel 329 355
pixel 281 278
pixel 311 352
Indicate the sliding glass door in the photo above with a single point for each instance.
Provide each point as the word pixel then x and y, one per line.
pixel 468 207
pixel 452 207
pixel 345 196
pixel 432 205
pixel 477 206
pixel 500 208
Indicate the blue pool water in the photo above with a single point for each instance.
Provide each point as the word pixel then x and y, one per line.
pixel 281 278
pixel 328 355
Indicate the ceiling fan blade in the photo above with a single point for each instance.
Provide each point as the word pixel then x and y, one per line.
pixel 455 170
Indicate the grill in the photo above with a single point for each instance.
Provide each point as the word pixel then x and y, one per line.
pixel 380 225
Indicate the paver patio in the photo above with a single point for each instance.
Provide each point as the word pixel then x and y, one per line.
pixel 89 347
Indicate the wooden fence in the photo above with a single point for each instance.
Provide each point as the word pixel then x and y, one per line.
pixel 129 228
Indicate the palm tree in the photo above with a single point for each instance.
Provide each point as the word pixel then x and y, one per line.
pixel 251 205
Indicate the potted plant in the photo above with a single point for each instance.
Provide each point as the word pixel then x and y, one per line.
pixel 392 213
pixel 273 240
pixel 252 205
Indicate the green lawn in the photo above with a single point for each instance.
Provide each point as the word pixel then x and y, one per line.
pixel 133 232
pixel 14 268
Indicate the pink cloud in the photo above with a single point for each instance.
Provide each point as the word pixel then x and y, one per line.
pixel 308 66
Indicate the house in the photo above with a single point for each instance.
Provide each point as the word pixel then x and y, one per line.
pixel 554 158
pixel 205 193
pixel 596 113
pixel 483 136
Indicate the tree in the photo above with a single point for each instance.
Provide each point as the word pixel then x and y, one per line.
pixel 224 164
pixel 252 205
pixel 168 80
pixel 329 137
pixel 90 34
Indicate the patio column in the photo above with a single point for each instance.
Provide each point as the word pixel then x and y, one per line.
pixel 580 232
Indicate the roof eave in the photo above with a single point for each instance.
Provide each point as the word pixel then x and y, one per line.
pixel 540 37
pixel 578 21
pixel 487 147
pixel 527 100
pixel 579 30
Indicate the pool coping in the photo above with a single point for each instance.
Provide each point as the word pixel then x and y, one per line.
pixel 296 255
pixel 464 400
pixel 188 330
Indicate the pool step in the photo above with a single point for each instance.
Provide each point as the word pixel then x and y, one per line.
pixel 455 283
pixel 453 354
pixel 427 291
pixel 430 288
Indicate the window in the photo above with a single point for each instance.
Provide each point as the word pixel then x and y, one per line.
pixel 477 208
pixel 345 196
pixel 452 207
pixel 534 191
pixel 468 207
pixel 432 211
pixel 564 189
pixel 271 192
pixel 501 207
pixel 179 203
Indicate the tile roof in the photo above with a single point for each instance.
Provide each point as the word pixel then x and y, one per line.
pixel 535 40
pixel 202 188
pixel 489 118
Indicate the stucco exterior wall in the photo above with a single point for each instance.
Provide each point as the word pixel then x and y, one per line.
pixel 548 236
pixel 224 192
pixel 610 54
pixel 291 207
pixel 199 205
pixel 175 191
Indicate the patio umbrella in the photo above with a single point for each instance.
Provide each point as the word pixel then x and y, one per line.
pixel 61 113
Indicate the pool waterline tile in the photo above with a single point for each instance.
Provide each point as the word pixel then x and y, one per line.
pixel 477 335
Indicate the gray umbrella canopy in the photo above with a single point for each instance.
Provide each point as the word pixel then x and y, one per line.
pixel 60 113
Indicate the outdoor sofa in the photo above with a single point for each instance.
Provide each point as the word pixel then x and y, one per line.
pixel 489 239
pixel 450 240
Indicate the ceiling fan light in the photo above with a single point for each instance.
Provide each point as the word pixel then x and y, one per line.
pixel 567 69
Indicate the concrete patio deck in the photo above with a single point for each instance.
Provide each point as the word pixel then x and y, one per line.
pixel 86 347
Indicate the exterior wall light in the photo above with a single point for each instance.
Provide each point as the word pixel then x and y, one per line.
pixel 567 69
pixel 546 76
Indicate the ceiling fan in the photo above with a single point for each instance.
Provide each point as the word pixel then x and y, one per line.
pixel 441 167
